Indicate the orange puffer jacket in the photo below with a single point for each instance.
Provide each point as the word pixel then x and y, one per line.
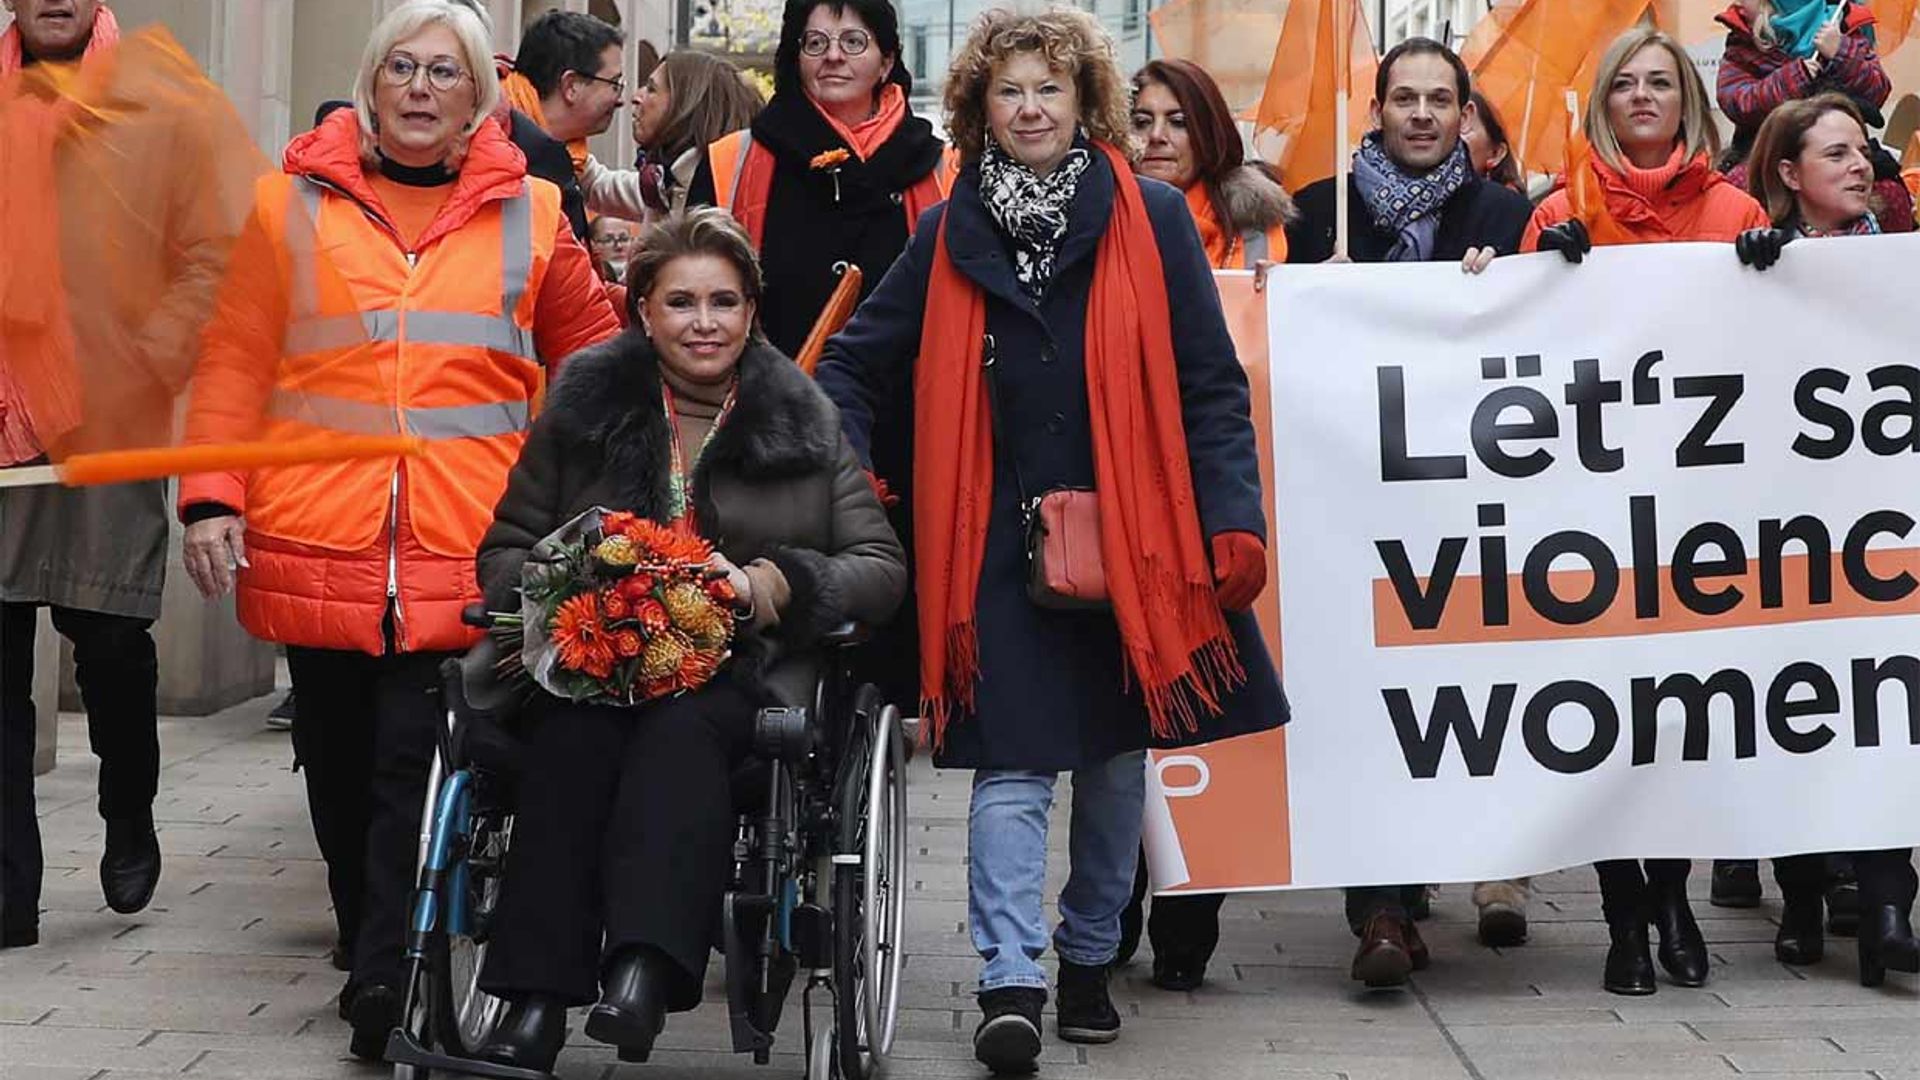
pixel 1684 200
pixel 451 342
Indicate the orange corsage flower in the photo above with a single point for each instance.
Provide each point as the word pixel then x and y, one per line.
pixel 829 159
pixel 581 638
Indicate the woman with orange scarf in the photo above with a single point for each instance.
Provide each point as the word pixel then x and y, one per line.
pixel 1029 325
pixel 1649 142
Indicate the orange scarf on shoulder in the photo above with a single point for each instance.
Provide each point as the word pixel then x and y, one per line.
pixel 1171 627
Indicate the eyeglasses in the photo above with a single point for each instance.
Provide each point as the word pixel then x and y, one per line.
pixel 852 42
pixel 442 75
pixel 619 85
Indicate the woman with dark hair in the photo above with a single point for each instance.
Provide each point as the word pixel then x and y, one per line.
pixel 1189 140
pixel 1812 169
pixel 624 822
pixel 685 102
pixel 1030 324
pixel 1487 146
pixel 835 170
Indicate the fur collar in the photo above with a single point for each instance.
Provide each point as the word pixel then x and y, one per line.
pixel 1255 201
pixel 607 400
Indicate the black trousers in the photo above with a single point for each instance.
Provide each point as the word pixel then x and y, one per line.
pixel 118 674
pixel 364 737
pixel 1885 877
pixel 624 823
pixel 1186 926
pixel 1624 884
pixel 1365 901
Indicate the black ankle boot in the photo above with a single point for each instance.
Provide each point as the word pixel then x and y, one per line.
pixel 130 868
pixel 1886 942
pixel 1801 940
pixel 1683 952
pixel 530 1035
pixel 1629 960
pixel 633 1002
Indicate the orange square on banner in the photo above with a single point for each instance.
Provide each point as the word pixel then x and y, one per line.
pixel 1234 826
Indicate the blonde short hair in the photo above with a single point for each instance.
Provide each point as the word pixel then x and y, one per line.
pixel 1071 41
pixel 405 21
pixel 1696 119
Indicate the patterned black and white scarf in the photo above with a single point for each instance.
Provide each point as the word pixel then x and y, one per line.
pixel 1407 205
pixel 1031 209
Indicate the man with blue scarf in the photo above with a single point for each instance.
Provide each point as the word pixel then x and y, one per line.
pixel 1415 198
pixel 1414 195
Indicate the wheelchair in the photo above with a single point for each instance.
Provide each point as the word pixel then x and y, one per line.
pixel 817 894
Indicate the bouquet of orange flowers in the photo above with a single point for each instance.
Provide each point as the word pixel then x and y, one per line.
pixel 617 609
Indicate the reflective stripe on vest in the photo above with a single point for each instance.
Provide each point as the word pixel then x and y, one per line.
pixel 743 146
pixel 353 417
pixel 307 331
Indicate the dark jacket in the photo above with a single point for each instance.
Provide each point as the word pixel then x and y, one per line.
pixel 1481 214
pixel 547 158
pixel 810 227
pixel 1054 692
pixel 778 481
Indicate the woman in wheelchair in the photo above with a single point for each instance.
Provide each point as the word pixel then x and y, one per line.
pixel 624 823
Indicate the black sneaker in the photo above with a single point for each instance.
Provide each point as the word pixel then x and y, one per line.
pixel 1736 883
pixel 1007 1041
pixel 1085 1012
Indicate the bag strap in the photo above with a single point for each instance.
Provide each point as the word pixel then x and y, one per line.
pixel 994 408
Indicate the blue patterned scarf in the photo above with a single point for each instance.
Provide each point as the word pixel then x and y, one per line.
pixel 1404 204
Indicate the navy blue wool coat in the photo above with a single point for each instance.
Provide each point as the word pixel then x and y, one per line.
pixel 1053 692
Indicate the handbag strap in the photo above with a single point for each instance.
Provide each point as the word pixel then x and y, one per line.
pixel 994 408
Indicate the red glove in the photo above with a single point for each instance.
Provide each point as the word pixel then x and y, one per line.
pixel 1239 569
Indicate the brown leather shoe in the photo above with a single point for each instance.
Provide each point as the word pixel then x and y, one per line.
pixel 1417 947
pixel 1384 959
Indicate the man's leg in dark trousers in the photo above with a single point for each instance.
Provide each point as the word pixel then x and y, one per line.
pixel 117 671
pixel 333 746
pixel 546 935
pixel 409 710
pixel 21 862
pixel 668 843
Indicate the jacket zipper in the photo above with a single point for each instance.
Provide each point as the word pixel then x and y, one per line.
pixel 393 480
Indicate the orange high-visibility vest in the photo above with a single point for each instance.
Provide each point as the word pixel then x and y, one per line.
pixel 743 183
pixel 437 343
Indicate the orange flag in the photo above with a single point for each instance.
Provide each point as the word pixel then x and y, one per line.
pixel 1232 39
pixel 1527 55
pixel 1303 88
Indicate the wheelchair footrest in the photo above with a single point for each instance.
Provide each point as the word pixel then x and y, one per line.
pixel 404 1049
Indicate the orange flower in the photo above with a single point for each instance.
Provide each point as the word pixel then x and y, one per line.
pixel 617 522
pixel 581 638
pixel 627 643
pixel 635 588
pixel 614 605
pixel 829 159
pixel 721 590
pixel 653 616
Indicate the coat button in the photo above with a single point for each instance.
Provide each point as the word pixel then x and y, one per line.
pixel 1057 424
pixel 1048 355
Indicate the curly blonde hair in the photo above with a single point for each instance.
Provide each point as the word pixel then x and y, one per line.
pixel 1071 41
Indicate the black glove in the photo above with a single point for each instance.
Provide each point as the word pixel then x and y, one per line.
pixel 1569 238
pixel 1760 248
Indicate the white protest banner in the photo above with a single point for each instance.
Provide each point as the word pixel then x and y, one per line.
pixel 1583 562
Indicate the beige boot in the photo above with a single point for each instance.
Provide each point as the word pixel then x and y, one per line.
pixel 1503 912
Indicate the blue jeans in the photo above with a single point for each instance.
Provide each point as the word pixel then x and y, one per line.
pixel 1007 867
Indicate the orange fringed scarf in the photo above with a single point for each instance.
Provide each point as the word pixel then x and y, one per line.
pixel 1176 639
pixel 37 374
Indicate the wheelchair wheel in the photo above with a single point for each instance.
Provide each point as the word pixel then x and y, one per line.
pixel 463 1016
pixel 869 889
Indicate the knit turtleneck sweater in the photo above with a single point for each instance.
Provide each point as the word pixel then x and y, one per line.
pixel 1650 183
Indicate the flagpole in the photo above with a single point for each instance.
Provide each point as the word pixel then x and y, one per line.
pixel 1343 90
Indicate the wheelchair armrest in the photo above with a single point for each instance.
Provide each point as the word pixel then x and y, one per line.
pixel 847 633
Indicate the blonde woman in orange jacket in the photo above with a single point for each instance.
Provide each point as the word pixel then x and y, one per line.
pixel 451 284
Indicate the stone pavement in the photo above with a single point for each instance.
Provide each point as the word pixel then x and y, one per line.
pixel 225 975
